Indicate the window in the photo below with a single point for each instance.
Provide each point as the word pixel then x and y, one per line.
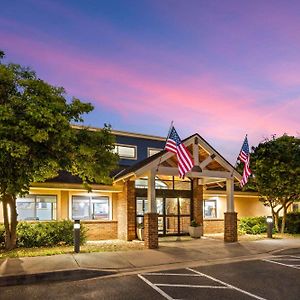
pixel 210 208
pixel 90 208
pixel 36 207
pixel 126 151
pixel 152 151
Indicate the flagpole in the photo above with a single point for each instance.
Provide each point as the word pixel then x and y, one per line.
pixel 172 124
pixel 238 155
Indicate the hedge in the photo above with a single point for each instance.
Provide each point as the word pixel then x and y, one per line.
pixel 45 234
pixel 253 225
pixel 292 222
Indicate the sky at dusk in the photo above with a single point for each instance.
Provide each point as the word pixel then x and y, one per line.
pixel 219 68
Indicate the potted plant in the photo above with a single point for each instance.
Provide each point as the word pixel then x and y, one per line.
pixel 140 231
pixel 195 229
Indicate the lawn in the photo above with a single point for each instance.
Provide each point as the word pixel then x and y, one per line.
pixel 99 246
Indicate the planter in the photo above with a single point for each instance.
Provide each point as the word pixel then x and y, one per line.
pixel 196 232
pixel 140 233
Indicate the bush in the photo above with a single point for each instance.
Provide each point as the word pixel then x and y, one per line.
pixel 46 234
pixel 2 235
pixel 253 225
pixel 292 223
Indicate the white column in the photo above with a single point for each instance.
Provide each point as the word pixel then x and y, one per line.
pixel 151 192
pixel 230 194
pixel 196 152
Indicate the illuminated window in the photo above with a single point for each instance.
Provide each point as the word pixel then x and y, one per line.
pixel 36 207
pixel 210 209
pixel 152 151
pixel 126 151
pixel 90 208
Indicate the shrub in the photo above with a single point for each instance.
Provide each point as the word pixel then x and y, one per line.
pixel 2 235
pixel 253 225
pixel 292 223
pixel 47 234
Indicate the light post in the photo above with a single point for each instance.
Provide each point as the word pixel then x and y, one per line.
pixel 269 226
pixel 76 236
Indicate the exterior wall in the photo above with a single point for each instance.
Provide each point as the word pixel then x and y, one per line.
pixel 101 230
pixel 250 207
pixel 126 212
pixel 213 226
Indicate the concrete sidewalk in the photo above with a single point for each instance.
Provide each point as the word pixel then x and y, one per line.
pixel 200 251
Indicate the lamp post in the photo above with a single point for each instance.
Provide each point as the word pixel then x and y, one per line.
pixel 269 226
pixel 76 236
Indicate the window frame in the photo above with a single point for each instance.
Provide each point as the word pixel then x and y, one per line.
pixel 91 206
pixel 155 149
pixel 35 196
pixel 128 146
pixel 216 208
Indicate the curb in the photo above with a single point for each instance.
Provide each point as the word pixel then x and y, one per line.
pixel 65 275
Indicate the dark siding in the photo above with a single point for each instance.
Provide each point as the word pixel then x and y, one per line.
pixel 142 147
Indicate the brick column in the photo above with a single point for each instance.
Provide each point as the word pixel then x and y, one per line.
pixel 230 227
pixel 126 212
pixel 151 230
pixel 197 201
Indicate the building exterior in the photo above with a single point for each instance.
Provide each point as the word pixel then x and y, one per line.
pixel 147 190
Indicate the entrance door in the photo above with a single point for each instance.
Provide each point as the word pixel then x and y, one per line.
pixel 174 214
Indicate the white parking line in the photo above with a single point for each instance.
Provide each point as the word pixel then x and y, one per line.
pixel 223 285
pixel 228 285
pixel 156 288
pixel 281 264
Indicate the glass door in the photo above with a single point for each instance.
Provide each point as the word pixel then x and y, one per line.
pixel 171 216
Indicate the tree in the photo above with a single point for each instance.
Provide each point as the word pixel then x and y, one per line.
pixel 37 140
pixel 276 167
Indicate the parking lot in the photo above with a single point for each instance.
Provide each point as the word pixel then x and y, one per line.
pixel 277 277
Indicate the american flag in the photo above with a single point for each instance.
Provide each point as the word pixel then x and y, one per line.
pixel 244 157
pixel 174 144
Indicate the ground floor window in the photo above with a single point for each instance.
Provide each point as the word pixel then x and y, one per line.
pixel 36 207
pixel 210 209
pixel 90 208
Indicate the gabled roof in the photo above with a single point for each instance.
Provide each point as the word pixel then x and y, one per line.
pixel 159 156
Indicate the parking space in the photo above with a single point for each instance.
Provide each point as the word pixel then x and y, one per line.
pixel 291 261
pixel 277 277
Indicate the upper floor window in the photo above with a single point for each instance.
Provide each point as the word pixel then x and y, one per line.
pixel 36 207
pixel 152 151
pixel 126 151
pixel 210 209
pixel 90 208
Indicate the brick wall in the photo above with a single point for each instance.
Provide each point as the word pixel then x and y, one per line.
pixel 101 230
pixel 126 212
pixel 213 226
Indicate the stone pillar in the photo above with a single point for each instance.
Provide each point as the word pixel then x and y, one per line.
pixel 230 227
pixel 197 201
pixel 151 230
pixel 230 217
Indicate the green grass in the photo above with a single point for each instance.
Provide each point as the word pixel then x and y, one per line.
pixel 105 246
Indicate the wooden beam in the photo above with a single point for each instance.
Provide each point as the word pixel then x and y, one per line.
pixel 204 173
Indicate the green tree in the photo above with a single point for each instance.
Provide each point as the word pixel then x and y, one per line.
pixel 276 167
pixel 37 140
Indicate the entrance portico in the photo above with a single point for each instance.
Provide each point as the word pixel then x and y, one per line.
pixel 210 169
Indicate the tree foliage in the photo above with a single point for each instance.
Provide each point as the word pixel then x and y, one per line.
pixel 276 167
pixel 37 140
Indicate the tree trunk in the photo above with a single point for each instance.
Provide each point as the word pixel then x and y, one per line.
pixel 10 221
pixel 283 219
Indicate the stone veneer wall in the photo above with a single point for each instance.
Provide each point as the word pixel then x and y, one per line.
pixel 101 230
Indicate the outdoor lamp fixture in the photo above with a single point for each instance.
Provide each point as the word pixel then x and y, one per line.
pixel 269 226
pixel 76 236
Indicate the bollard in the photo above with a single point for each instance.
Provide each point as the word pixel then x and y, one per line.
pixel 76 236
pixel 269 226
